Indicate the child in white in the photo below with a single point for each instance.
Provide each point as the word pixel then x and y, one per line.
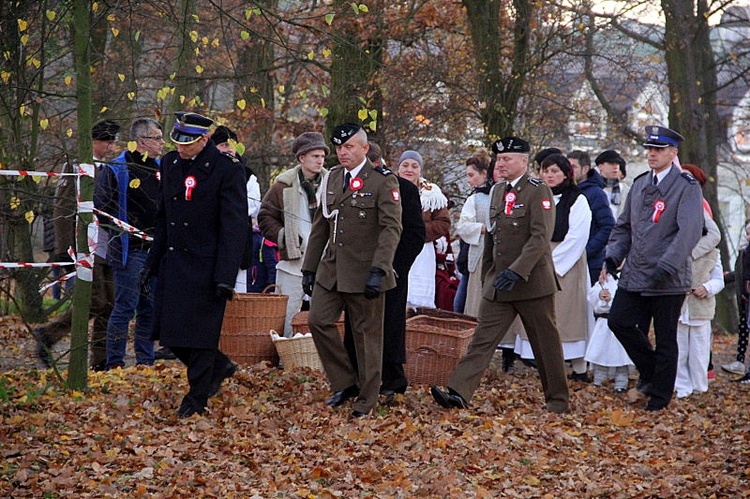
pixel 605 353
pixel 694 326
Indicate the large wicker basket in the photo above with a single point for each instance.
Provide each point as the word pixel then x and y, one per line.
pixel 299 323
pixel 298 351
pixel 248 320
pixel 434 345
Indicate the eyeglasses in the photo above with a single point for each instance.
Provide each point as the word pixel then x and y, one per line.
pixel 157 137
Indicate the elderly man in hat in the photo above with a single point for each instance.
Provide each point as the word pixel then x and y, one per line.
pixel 660 225
pixel 286 215
pixel 350 262
pixel 519 279
pixel 104 143
pixel 201 231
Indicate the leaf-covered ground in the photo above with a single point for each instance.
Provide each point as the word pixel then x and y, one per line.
pixel 268 434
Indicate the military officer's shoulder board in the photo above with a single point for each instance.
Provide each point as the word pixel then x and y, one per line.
pixel 384 171
pixel 535 181
pixel 689 177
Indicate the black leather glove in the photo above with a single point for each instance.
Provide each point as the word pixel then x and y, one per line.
pixel 374 283
pixel 506 280
pixel 144 281
pixel 658 277
pixel 308 281
pixel 224 291
pixel 610 267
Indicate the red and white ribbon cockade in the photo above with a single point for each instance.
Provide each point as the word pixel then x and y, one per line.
pixel 356 184
pixel 190 184
pixel 510 201
pixel 659 207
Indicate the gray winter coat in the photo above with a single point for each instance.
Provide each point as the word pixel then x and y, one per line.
pixel 647 237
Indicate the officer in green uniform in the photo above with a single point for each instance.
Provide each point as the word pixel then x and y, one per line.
pixel 349 259
pixel 519 279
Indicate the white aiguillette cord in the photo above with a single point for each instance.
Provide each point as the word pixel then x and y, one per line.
pixel 324 206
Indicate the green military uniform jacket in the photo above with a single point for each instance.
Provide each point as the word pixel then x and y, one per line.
pixel 355 230
pixel 521 225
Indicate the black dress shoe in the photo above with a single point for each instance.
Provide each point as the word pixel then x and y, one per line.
pixel 342 396
pixel 359 414
pixel 100 367
pixel 164 353
pixel 187 409
pixel 229 369
pixel 449 399
pixel 509 357
pixel 582 377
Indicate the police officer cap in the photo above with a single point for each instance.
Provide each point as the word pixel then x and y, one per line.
pixel 660 136
pixel 511 144
pixel 189 127
pixel 344 132
pixel 105 130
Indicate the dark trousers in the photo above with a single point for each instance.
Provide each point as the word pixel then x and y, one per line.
pixel 629 317
pixel 102 299
pixel 204 365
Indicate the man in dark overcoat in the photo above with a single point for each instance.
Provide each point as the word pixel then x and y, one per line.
pixel 655 234
pixel 518 279
pixel 201 231
pixel 394 323
pixel 350 262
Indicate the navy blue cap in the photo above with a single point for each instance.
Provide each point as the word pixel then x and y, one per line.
pixel 342 133
pixel 189 127
pixel 660 136
pixel 511 144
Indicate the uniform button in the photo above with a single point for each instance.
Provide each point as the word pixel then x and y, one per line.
pixel 341 245
pixel 174 198
pixel 185 224
pixel 171 248
pixel 171 223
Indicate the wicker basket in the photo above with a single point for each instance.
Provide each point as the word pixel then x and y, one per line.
pixel 248 320
pixel 297 352
pixel 434 345
pixel 299 324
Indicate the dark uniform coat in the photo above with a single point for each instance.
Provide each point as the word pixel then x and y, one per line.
pixel 198 243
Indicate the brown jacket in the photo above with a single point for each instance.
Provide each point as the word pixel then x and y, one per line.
pixel 343 248
pixel 520 241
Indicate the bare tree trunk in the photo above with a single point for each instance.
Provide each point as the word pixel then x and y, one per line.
pixel 498 94
pixel 78 366
pixel 354 66
pixel 691 70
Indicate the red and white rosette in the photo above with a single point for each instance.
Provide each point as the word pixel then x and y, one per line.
pixel 356 184
pixel 190 184
pixel 510 201
pixel 659 207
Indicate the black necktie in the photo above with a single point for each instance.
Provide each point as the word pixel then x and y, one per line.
pixel 347 180
pixel 508 187
pixel 656 180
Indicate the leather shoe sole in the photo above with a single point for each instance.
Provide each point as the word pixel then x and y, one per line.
pixel 342 396
pixel 449 399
